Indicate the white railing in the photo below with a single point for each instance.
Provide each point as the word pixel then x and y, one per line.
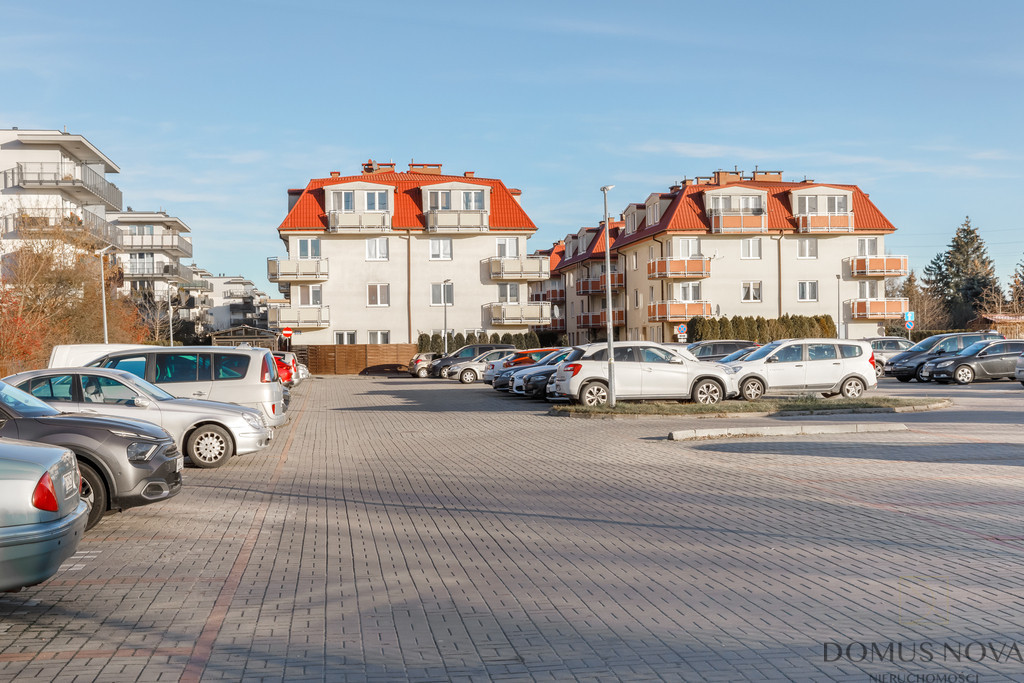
pixel 350 220
pixel 297 269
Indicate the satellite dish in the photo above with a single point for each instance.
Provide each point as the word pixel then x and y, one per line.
pixel 554 311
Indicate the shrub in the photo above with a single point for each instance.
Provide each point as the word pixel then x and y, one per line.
pixel 423 342
pixel 459 340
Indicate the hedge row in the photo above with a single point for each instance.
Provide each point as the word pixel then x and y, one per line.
pixel 760 330
pixel 435 342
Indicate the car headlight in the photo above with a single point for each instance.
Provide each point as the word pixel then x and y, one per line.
pixel 140 452
pixel 252 420
pixel 945 363
pixel 729 370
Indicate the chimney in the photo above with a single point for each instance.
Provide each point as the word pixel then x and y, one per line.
pixel 727 177
pixel 469 174
pixel 335 174
pixel 675 188
pixel 768 176
pixel 516 194
pixel 431 169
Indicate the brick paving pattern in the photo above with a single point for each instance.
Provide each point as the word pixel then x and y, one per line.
pixel 421 530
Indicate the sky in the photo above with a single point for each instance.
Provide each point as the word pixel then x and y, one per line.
pixel 212 110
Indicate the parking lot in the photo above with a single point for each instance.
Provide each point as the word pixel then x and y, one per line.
pixel 403 529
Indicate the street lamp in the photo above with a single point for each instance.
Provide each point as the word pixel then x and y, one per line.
pixel 839 303
pixel 444 300
pixel 103 289
pixel 608 300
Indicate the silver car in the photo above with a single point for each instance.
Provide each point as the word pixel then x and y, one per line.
pixel 209 432
pixel 42 514
pixel 471 370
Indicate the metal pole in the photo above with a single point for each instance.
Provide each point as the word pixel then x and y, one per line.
pixel 103 296
pixel 839 304
pixel 444 300
pixel 170 316
pixel 609 328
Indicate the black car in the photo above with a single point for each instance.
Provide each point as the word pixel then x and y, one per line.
pixel 439 366
pixel 503 380
pixel 124 463
pixel 987 359
pixel 909 364
pixel 716 349
pixel 535 383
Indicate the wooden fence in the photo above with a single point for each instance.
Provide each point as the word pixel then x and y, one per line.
pixel 359 359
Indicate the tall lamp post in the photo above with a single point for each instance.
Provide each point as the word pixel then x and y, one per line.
pixel 102 253
pixel 839 304
pixel 609 328
pixel 444 300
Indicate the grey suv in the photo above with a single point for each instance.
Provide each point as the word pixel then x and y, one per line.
pixel 124 463
pixel 908 365
pixel 439 366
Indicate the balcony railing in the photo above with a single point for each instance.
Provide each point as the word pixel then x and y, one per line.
pixel 237 293
pixel 134 270
pixel 530 268
pixel 77 180
pixel 297 270
pixel 456 221
pixel 825 222
pixel 878 309
pixel 56 224
pixel 552 295
pixel 596 285
pixel 599 319
pixel 198 285
pixel 342 221
pixel 300 316
pixel 677 311
pixel 878 266
pixel 168 242
pixel 556 325
pixel 679 268
pixel 514 313
pixel 738 220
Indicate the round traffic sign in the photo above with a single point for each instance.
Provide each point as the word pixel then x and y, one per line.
pixel 909 324
pixel 681 329
pixel 286 333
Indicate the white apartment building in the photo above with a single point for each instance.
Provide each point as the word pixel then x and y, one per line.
pixel 152 245
pixel 233 301
pixel 384 256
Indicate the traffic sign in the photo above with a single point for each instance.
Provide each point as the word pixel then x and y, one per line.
pixel 909 315
pixel 286 333
pixel 909 324
pixel 681 329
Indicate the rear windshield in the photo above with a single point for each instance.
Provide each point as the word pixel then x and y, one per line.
pixel 230 365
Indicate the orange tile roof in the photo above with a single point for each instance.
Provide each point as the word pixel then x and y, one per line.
pixel 595 250
pixel 309 213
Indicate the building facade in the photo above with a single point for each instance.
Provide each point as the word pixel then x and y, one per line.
pixel 384 256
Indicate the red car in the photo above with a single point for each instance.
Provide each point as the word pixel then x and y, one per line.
pixel 286 371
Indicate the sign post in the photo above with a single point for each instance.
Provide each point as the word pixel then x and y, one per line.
pixel 681 331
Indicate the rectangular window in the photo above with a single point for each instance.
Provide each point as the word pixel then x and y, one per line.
pixel 636 260
pixel 807 290
pixel 378 294
pixel 867 246
pixel 309 248
pixel 806 205
pixel 630 223
pixel 837 204
pixel 345 201
pixel 720 203
pixel 309 295
pixel 440 200
pixel 508 247
pixel 377 200
pixel 807 247
pixel 687 291
pixel 473 200
pixel 683 247
pixel 508 292
pixel 441 249
pixel 867 289
pixel 751 204
pixel 653 213
pixel 636 298
pixel 377 249
pixel 650 294
pixel 750 248
pixel 442 294
pixel 378 337
pixel 750 291
pixel 345 337
pixel 650 253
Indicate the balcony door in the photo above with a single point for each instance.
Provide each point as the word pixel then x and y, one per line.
pixel 308 295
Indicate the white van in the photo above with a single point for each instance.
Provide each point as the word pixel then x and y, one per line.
pixel 243 375
pixel 828 366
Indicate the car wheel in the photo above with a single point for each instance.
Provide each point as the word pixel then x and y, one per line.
pixel 467 376
pixel 444 372
pixel 707 392
pixel 94 492
pixel 907 379
pixel 918 374
pixel 209 446
pixel 879 370
pixel 852 388
pixel 963 374
pixel 422 372
pixel 594 394
pixel 752 389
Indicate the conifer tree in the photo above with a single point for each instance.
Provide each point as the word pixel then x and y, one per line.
pixel 960 275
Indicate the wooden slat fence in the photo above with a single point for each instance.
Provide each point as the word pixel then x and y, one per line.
pixel 359 359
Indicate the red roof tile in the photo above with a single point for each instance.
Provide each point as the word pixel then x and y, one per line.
pixel 595 250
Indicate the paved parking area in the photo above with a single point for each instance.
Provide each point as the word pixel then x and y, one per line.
pixel 421 530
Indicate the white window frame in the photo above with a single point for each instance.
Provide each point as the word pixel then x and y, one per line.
pixel 503 243
pixel 311 244
pixel 345 197
pixel 867 246
pixel 378 337
pixel 373 249
pixel 683 247
pixel 379 288
pixel 636 260
pixel 833 202
pixel 746 252
pixel 751 204
pixel 473 200
pixel 636 298
pixel 807 248
pixel 438 253
pixel 445 294
pixel 434 198
pixel 751 291
pixel 867 289
pixel 653 213
pixel 509 292
pixel 379 197
pixel 314 294
pixel 807 290
pixel 686 291
pixel 807 205
pixel 341 335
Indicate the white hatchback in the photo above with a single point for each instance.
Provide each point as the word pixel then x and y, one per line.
pixel 828 366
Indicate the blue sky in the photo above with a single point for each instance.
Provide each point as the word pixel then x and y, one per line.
pixel 213 109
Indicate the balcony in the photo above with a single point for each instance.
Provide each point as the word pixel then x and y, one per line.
pixel 738 220
pixel 170 243
pixel 528 268
pixel 514 313
pixel 878 266
pixel 596 285
pixel 878 309
pixel 55 224
pixel 677 311
pixel 300 317
pixel 552 295
pixel 556 325
pixel 439 220
pixel 349 221
pixel 825 222
pixel 679 269
pixel 237 293
pixel 297 270
pixel 599 319
pixel 172 272
pixel 76 180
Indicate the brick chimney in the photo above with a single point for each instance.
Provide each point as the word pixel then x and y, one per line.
pixel 335 174
pixel 469 174
pixel 430 169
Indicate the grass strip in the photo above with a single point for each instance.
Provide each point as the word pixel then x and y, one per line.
pixel 774 405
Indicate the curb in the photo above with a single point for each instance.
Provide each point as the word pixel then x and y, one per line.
pixel 938 405
pixel 788 430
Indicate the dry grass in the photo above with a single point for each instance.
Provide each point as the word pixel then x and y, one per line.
pixel 762 406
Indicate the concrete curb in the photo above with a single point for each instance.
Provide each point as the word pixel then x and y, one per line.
pixel 784 430
pixel 938 405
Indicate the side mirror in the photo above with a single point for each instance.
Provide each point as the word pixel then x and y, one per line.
pixel 141 402
pixel 772 359
pixel 939 352
pixel 676 359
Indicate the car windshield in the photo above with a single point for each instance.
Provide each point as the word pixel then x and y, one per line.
pixel 146 388
pixel 553 357
pixel 24 404
pixel 974 348
pixel 925 344
pixel 764 351
pixel 736 355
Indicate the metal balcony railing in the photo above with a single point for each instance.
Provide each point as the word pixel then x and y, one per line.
pixel 350 220
pixel 439 220
pixel 288 270
pixel 531 268
pixel 67 175
pixel 166 241
pixel 55 224
pixel 679 268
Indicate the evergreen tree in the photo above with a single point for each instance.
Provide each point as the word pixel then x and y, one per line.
pixel 505 338
pixel 519 340
pixel 423 342
pixel 761 327
pixel 458 341
pixel 725 330
pixel 495 339
pixel 961 274
pixel 436 343
pixel 471 339
pixel 532 340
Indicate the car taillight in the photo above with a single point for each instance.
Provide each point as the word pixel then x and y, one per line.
pixel 265 378
pixel 273 408
pixel 573 368
pixel 45 497
pixel 872 359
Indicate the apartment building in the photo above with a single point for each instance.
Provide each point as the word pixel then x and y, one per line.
pixel 385 255
pixel 551 290
pixel 585 281
pixel 235 300
pixel 151 246
pixel 753 245
pixel 195 300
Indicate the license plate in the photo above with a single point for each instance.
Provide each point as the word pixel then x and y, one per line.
pixel 178 464
pixel 69 483
pixel 925 373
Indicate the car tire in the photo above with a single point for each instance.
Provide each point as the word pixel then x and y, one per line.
pixel 752 389
pixel 94 491
pixel 422 372
pixel 963 374
pixel 594 394
pixel 917 374
pixel 852 388
pixel 707 392
pixel 209 446
pixel 443 374
pixel 879 370
pixel 467 376
pixel 907 379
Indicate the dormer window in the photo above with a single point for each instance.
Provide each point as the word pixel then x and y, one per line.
pixel 377 200
pixel 806 205
pixel 440 200
pixel 837 204
pixel 630 223
pixel 473 200
pixel 653 213
pixel 345 201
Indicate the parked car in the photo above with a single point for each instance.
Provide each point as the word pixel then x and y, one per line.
pixel 208 432
pixel 124 463
pixel 419 364
pixel 292 361
pixel 535 382
pixel 42 514
pixel 829 366
pixel 987 359
pixel 717 349
pixel 643 370
pixel 517 360
pixel 470 371
pixel 885 348
pixel 908 364
pixel 439 366
pixel 517 380
pixel 738 355
pixel 285 372
pixel 231 374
